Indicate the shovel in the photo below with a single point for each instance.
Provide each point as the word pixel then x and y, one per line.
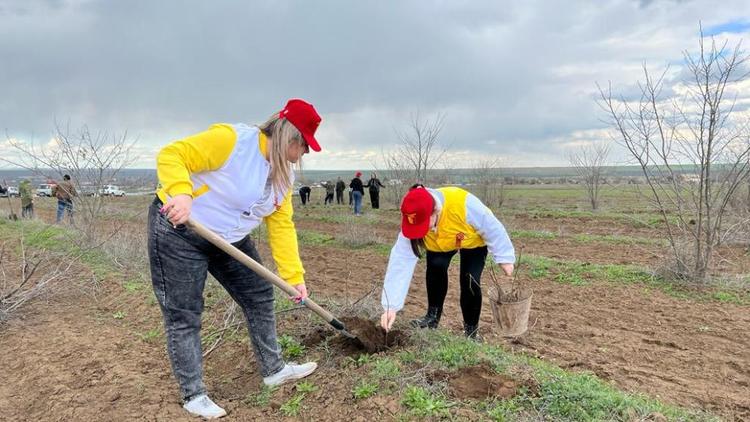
pixel 267 274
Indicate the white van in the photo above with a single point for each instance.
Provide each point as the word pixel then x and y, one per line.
pixel 111 190
pixel 45 189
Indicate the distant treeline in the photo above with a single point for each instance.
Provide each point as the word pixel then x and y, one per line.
pixel 147 177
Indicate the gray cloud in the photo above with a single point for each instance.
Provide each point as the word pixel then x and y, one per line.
pixel 512 78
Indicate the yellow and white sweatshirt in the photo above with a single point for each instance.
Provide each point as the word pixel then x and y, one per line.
pixel 226 171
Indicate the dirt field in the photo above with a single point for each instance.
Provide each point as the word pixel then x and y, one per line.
pixel 66 358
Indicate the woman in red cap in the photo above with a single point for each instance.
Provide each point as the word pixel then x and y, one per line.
pixel 230 178
pixel 442 222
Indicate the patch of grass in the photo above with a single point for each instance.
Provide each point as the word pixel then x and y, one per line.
pixel 290 347
pixel 530 234
pixel 581 273
pixel 731 297
pixel 132 285
pixel 119 315
pixel 292 406
pixel 364 389
pixel 406 356
pixel 260 399
pixel 617 240
pixel 309 237
pixel 383 249
pixel 572 277
pixel 450 351
pixel 360 360
pixel 423 403
pixel 150 335
pixel 58 239
pixel 584 397
pixel 306 387
pixel 564 395
pixel 538 267
pixel 385 368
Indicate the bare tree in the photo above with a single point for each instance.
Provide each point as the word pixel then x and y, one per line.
pixel 91 159
pixel 694 129
pixel 489 183
pixel 32 275
pixel 417 153
pixel 589 163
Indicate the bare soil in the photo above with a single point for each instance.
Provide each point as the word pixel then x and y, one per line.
pixel 478 382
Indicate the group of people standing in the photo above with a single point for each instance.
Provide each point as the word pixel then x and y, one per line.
pixel 233 177
pixel 63 191
pixel 356 192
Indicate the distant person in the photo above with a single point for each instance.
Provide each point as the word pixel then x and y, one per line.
pixel 340 186
pixel 249 170
pixel 330 187
pixel 442 222
pixel 374 186
pixel 27 199
pixel 358 192
pixel 3 190
pixel 304 194
pixel 64 192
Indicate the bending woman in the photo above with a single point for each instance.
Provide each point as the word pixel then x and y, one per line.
pixel 442 222
pixel 230 178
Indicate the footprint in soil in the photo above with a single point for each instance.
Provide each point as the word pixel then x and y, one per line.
pixel 370 337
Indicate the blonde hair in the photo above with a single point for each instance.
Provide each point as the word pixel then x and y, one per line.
pixel 282 134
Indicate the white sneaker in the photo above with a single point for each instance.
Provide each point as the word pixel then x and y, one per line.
pixel 204 407
pixel 290 372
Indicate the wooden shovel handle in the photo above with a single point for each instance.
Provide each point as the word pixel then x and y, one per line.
pixel 261 270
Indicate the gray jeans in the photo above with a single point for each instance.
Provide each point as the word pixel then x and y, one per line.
pixel 180 260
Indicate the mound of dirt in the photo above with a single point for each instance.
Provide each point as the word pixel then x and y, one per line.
pixel 478 382
pixel 370 337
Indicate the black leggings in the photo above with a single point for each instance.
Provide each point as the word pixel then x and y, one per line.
pixel 471 267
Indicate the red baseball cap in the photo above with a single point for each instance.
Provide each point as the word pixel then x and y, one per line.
pixel 357 174
pixel 304 117
pixel 416 209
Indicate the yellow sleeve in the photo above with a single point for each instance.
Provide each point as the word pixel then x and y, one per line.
pixel 205 151
pixel 282 236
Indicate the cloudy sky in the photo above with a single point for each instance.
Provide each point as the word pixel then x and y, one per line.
pixel 514 80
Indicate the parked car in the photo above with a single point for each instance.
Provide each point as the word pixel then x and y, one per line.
pixel 111 190
pixel 45 189
pixel 9 191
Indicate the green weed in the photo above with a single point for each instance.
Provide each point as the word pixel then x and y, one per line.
pixel 150 335
pixel 421 402
pixel 260 399
pixel 132 286
pixel 450 351
pixel 573 278
pixel 290 347
pixel 306 387
pixel 119 315
pixel 360 360
pixel 364 389
pixel 385 368
pixel 292 406
pixel 309 237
